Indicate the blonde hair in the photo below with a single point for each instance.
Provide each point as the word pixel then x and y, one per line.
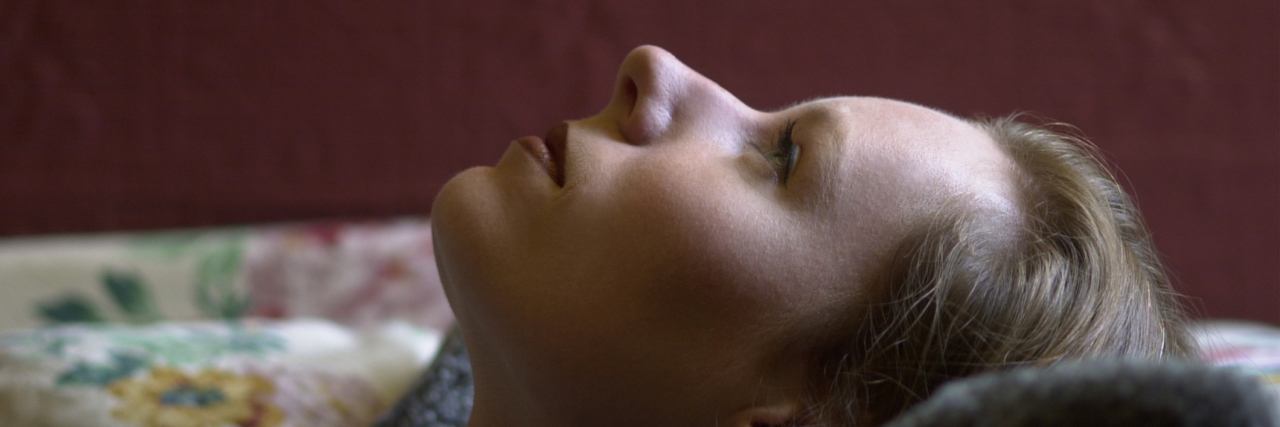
pixel 1072 275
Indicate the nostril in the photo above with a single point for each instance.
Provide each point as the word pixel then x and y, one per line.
pixel 637 116
pixel 630 95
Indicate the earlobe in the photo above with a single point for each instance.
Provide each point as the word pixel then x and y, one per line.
pixel 782 414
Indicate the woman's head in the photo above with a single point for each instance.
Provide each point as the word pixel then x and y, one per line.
pixel 1074 276
pixel 676 259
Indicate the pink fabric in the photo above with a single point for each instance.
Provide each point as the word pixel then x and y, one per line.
pixel 152 114
pixel 356 274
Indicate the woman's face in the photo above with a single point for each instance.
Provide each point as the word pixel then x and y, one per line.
pixel 674 274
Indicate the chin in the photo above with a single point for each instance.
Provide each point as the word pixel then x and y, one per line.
pixel 465 217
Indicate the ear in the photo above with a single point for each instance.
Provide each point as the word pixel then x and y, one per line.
pixel 783 414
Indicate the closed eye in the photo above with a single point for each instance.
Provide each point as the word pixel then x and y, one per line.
pixel 786 152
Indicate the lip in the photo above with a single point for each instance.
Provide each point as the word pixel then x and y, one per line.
pixel 557 144
pixel 549 152
pixel 541 154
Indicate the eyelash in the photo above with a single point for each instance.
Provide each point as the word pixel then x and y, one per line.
pixel 784 157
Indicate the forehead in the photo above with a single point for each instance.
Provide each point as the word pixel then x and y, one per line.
pixel 868 122
pixel 887 141
pixel 878 165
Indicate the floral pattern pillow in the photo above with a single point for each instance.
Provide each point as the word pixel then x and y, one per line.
pixel 241 373
pixel 353 273
pixel 89 331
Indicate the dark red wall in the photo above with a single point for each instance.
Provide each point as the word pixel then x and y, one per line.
pixel 157 114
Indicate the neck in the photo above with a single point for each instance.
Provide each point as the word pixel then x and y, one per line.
pixel 509 407
pixel 485 418
pixel 512 408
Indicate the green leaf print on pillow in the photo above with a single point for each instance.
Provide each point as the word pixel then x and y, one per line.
pixel 72 308
pixel 128 292
pixel 121 365
pixel 217 258
pixel 195 346
pixel 98 355
pixel 216 295
pixel 131 296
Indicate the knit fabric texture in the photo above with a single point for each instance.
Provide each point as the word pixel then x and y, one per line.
pixel 1100 393
pixel 442 397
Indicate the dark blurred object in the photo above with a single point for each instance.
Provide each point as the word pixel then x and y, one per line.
pixel 149 114
pixel 1100 394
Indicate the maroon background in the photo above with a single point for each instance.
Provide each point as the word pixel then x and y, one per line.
pixel 157 114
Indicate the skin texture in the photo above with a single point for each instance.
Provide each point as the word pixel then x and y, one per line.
pixel 675 277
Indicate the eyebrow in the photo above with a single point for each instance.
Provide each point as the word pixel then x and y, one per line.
pixel 801 103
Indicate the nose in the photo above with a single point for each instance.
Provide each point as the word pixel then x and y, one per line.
pixel 655 94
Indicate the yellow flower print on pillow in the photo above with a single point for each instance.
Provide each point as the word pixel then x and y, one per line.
pixel 172 398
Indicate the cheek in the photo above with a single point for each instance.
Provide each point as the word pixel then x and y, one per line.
pixel 709 245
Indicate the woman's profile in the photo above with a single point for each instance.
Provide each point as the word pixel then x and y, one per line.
pixel 683 259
